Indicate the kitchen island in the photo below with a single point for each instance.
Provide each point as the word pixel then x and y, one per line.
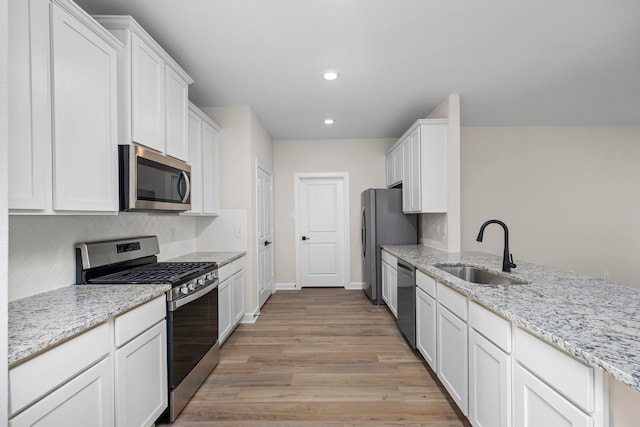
pixel 595 321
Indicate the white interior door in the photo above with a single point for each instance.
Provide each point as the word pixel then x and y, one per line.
pixel 264 216
pixel 322 231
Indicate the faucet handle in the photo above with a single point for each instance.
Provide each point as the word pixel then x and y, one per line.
pixel 511 261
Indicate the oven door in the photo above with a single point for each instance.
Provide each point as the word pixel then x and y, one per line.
pixel 192 324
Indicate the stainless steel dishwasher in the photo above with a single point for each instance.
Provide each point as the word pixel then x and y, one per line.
pixel 407 301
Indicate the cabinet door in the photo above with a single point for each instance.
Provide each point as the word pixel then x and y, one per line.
pixel 147 96
pixel 397 164
pixel 176 113
pixel 426 327
pixel 538 405
pixel 411 174
pixel 452 356
pixel 237 297
pixel 224 309
pixel 489 383
pixel 389 168
pixel 86 400
pixel 84 69
pixel 141 378
pixel 210 169
pixel 386 277
pixel 195 159
pixel 393 290
pixel 29 125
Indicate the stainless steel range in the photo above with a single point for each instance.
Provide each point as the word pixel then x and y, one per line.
pixel 192 305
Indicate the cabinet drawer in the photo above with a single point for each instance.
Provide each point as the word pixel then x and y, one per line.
pixel 569 376
pixel 389 259
pixel 229 269
pixel 38 376
pixel 495 328
pixel 455 302
pixel 426 283
pixel 138 320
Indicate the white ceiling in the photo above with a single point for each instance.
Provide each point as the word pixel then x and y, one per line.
pixel 544 62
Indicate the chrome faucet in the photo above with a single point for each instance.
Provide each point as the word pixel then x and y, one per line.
pixel 507 258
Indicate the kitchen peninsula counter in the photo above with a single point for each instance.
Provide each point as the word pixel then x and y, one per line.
pixel 593 320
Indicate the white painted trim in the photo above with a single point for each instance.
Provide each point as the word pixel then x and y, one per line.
pixel 355 285
pixel 251 317
pixel 347 225
pixel 287 287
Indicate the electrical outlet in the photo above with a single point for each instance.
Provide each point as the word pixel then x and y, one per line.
pixel 172 234
pixel 237 231
pixel 606 275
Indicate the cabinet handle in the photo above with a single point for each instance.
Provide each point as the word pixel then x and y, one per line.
pixel 305 238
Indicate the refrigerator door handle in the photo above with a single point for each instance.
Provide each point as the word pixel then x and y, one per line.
pixel 363 232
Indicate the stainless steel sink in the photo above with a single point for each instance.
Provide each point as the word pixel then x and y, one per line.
pixel 480 276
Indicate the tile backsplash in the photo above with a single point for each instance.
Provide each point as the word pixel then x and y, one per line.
pixel 41 248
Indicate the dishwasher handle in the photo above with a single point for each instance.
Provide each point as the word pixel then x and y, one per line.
pixel 407 267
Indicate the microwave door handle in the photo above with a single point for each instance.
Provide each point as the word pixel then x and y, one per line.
pixel 183 175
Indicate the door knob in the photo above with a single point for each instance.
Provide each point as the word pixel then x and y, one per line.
pixel 305 238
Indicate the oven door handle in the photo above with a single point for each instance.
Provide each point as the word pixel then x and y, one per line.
pixel 174 305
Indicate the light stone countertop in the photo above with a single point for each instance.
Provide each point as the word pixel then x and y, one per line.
pixel 221 258
pixel 595 321
pixel 40 322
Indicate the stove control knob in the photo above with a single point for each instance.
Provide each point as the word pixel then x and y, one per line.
pixel 210 276
pixel 192 286
pixel 201 281
pixel 184 290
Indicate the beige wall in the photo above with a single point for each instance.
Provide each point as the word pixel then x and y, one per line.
pixel 362 159
pixel 4 239
pixel 570 195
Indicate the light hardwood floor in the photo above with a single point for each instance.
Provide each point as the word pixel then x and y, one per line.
pixel 320 357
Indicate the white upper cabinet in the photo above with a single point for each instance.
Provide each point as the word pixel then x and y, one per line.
pixel 204 157
pixel 153 91
pixel 147 96
pixel 419 161
pixel 62 154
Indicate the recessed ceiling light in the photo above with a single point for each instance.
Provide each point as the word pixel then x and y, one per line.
pixel 330 75
pixel 328 121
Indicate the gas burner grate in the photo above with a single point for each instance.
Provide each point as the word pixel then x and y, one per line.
pixel 159 272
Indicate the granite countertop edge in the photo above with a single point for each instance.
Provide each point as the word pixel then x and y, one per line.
pixel 40 322
pixel 586 317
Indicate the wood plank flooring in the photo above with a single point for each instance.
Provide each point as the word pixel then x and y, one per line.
pixel 320 357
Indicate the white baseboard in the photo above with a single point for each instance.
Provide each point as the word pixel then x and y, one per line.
pixel 286 287
pixel 355 285
pixel 250 317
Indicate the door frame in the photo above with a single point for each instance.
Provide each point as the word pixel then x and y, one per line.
pixel 297 180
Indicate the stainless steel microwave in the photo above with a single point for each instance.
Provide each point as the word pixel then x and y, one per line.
pixel 150 181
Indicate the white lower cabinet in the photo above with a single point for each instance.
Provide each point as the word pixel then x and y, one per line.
pixel 230 298
pixel 490 346
pixel 389 273
pixel 538 405
pixel 426 314
pixel 452 356
pixel 112 375
pixel 501 375
pixel 489 383
pixel 86 400
pixel 141 378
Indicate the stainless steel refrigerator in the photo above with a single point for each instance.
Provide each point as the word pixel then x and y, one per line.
pixel 383 222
